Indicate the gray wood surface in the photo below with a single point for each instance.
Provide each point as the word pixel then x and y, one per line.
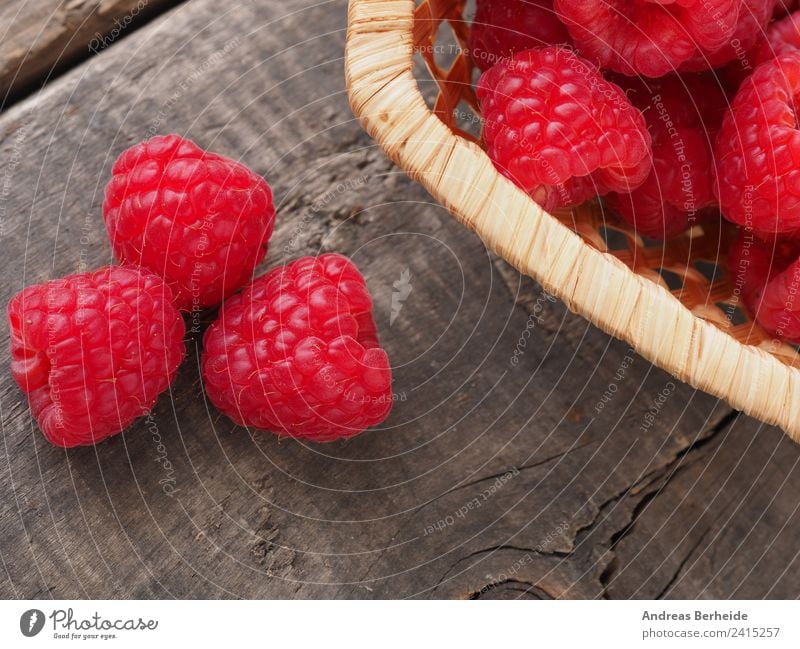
pixel 491 479
pixel 40 38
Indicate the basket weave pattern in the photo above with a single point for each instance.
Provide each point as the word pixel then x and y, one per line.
pixel 597 265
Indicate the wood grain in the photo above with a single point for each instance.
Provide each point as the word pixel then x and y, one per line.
pixel 491 479
pixel 41 38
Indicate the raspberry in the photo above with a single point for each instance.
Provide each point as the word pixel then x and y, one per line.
pixel 647 37
pixel 782 36
pixel 198 219
pixel 93 351
pixel 683 114
pixel 753 17
pixel 504 27
pixel 767 275
pixel 560 131
pixel 757 149
pixel 752 261
pixel 297 353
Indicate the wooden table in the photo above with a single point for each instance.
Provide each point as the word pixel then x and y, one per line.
pixel 492 479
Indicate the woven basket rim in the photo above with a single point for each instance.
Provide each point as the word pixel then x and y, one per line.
pixel 385 97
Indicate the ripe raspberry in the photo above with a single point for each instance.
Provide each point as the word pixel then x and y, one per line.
pixel 767 275
pixel 675 194
pixel 683 115
pixel 757 149
pixel 93 351
pixel 198 219
pixel 559 130
pixel 753 16
pixel 296 353
pixel 647 37
pixel 782 36
pixel 504 27
pixel 753 260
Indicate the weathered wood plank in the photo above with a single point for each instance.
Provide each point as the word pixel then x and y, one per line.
pixel 40 38
pixel 492 478
pixel 712 529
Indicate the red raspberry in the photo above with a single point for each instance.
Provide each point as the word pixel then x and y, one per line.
pixel 198 219
pixel 753 17
pixel 93 351
pixel 676 192
pixel 753 260
pixel 767 276
pixel 648 37
pixel 782 36
pixel 683 114
pixel 504 27
pixel 296 353
pixel 696 100
pixel 559 130
pixel 757 149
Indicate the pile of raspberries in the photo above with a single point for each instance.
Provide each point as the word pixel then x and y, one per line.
pixel 294 351
pixel 672 111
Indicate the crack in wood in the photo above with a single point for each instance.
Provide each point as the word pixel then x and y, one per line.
pixel 495 476
pixel 665 475
pixel 675 577
pixel 532 552
pixel 508 584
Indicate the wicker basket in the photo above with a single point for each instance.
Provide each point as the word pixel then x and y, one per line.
pixel 688 330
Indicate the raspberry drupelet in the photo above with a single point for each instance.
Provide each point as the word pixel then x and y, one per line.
pixel 93 351
pixel 200 220
pixel 297 353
